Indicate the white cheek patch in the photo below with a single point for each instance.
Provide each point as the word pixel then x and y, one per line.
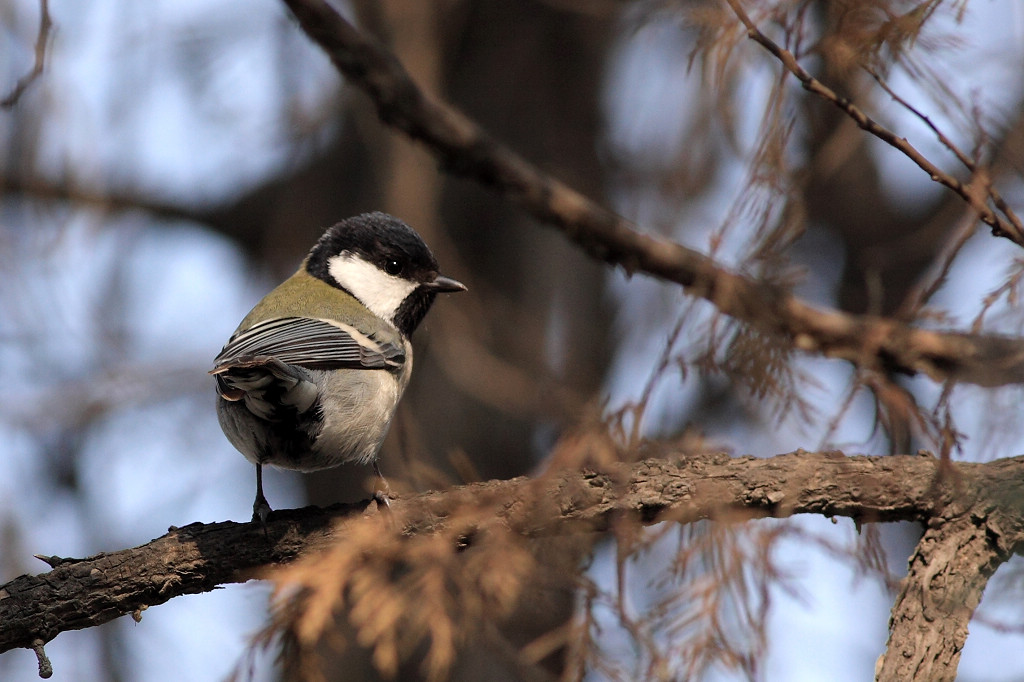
pixel 377 290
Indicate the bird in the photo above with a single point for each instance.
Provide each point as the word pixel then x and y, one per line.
pixel 311 377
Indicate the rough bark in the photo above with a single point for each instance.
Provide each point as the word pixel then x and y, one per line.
pixel 928 625
pixel 81 593
pixel 963 545
pixel 972 513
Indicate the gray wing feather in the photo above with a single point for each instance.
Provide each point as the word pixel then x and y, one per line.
pixel 311 343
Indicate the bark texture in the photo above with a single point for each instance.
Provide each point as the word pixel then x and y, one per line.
pixel 977 530
pixel 971 511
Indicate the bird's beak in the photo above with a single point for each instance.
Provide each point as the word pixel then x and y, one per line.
pixel 444 284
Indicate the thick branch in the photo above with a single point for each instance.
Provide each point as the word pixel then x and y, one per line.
pixel 465 149
pixel 962 547
pixel 80 593
pixel 928 625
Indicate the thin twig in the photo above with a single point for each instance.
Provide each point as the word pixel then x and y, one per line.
pixel 971 192
pixel 923 292
pixel 961 156
pixel 45 23
pixel 946 142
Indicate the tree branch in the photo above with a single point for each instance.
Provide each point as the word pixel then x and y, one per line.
pixel 928 624
pixel 463 148
pixel 975 195
pixel 963 545
pixel 45 23
pixel 80 593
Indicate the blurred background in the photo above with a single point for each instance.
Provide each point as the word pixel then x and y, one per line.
pixel 175 160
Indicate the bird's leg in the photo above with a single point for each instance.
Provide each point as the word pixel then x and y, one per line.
pixel 381 494
pixel 260 508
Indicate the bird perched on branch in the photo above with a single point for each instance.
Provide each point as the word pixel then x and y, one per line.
pixel 311 377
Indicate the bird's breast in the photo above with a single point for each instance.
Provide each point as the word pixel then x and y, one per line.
pixel 356 411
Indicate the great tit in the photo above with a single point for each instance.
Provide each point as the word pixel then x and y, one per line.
pixel 311 377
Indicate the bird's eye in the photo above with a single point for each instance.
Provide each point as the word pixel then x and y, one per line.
pixel 392 267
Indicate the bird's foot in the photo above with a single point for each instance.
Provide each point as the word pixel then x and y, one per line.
pixel 381 498
pixel 261 510
pixel 381 489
